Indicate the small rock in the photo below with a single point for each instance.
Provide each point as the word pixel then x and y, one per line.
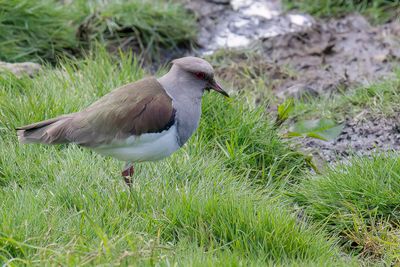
pixel 19 69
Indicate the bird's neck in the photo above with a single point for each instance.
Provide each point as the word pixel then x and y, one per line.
pixel 186 95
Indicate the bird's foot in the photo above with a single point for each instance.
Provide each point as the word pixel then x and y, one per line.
pixel 127 174
pixel 128 181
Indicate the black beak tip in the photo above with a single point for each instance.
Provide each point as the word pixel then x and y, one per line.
pixel 216 87
pixel 225 94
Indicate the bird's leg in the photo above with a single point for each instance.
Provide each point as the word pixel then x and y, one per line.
pixel 127 173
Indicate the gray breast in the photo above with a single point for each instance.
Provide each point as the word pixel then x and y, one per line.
pixel 187 118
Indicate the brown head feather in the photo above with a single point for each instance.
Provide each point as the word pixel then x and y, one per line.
pixel 194 65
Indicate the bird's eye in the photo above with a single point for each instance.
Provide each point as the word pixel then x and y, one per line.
pixel 200 75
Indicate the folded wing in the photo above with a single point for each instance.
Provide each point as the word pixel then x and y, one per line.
pixel 134 109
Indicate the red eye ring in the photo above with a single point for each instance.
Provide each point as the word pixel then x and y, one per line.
pixel 200 75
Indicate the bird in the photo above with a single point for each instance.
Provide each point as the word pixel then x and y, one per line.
pixel 146 120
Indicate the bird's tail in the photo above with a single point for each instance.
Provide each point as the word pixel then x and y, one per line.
pixel 50 131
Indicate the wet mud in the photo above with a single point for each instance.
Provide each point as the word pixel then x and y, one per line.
pixel 334 54
pixel 362 137
pixel 321 55
pixel 237 23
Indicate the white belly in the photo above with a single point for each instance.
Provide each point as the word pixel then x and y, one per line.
pixel 147 147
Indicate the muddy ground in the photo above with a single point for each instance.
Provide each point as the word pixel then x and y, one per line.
pixel 301 55
pixel 359 137
pixel 334 54
pixel 321 55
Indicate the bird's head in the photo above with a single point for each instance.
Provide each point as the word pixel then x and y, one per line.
pixel 200 71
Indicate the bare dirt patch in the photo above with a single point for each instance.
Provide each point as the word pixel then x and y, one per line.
pixel 359 137
pixel 335 54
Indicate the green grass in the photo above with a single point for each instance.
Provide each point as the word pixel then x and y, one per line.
pixel 145 26
pixel 377 11
pixel 355 203
pixel 45 29
pixel 30 30
pixel 236 194
pixel 356 200
pixel 247 142
pixel 64 205
pixel 359 201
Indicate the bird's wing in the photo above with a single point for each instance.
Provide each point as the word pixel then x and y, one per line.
pixel 134 109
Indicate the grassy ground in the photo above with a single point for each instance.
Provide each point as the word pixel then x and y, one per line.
pixel 34 29
pixel 144 26
pixel 377 11
pixel 237 194
pixel 354 202
pixel 44 29
pixel 203 206
pixel 359 202
pixel 382 99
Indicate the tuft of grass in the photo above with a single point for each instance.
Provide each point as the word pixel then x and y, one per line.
pixel 46 29
pixel 145 26
pixel 359 201
pixel 64 205
pixel 30 30
pixel 248 141
pixel 377 11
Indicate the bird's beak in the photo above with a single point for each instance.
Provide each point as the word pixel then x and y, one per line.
pixel 216 87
